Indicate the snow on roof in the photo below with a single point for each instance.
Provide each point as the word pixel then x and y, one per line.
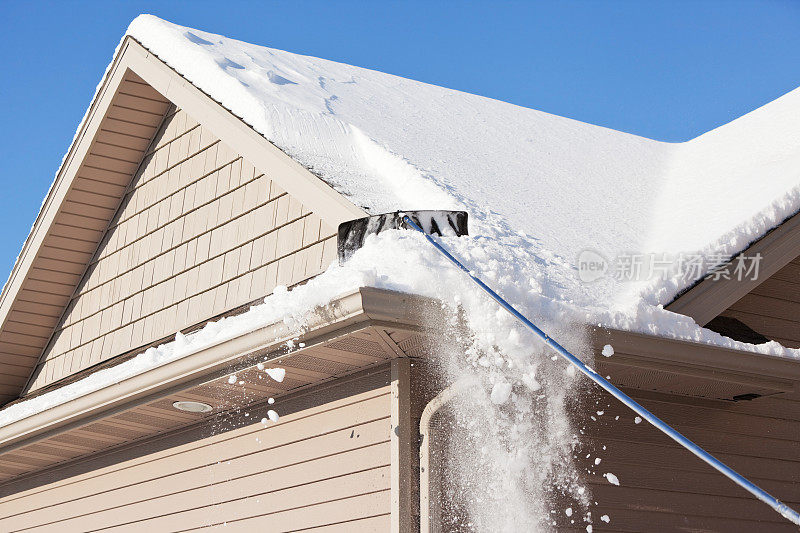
pixel 391 143
pixel 531 181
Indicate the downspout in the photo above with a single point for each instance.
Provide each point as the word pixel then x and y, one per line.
pixel 439 401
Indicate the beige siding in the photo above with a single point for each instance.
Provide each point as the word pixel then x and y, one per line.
pixel 199 232
pixel 323 466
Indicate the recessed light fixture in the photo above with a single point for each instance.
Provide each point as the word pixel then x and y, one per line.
pixel 192 407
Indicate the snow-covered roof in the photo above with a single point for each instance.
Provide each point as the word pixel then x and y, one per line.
pixel 539 188
pixel 391 143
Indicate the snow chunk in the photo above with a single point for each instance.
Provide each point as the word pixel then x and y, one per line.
pixel 637 420
pixel 611 478
pixel 531 382
pixel 608 350
pixel 180 341
pixel 501 391
pixel 276 373
pixel 605 518
pixel 232 379
pixel 273 415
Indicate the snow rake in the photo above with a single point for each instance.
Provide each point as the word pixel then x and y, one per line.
pixel 442 223
pixel 454 223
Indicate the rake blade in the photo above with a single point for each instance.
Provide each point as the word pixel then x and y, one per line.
pixel 353 233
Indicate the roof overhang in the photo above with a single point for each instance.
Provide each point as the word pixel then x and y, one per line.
pixel 709 297
pixel 357 331
pixel 674 366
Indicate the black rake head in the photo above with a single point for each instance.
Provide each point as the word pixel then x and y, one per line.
pixel 353 233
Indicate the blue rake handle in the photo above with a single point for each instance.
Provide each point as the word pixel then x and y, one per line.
pixel 783 509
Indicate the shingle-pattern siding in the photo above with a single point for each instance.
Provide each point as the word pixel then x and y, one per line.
pixel 199 232
pixel 81 203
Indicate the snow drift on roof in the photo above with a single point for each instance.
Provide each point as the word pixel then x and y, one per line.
pixel 391 143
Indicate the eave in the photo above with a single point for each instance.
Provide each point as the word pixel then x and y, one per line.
pixel 357 331
pixel 709 297
pixel 680 367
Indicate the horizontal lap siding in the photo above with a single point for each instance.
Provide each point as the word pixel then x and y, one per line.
pixel 200 231
pixel 665 488
pixel 773 308
pixel 327 465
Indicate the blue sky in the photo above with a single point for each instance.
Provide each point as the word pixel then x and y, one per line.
pixel 666 70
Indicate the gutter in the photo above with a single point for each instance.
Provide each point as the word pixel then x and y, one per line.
pixel 705 361
pixel 350 312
